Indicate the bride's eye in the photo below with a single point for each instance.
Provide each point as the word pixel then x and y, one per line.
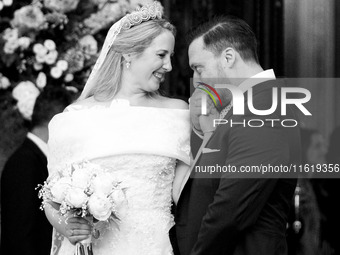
pixel 161 55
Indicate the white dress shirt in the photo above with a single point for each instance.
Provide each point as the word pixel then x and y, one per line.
pixel 40 143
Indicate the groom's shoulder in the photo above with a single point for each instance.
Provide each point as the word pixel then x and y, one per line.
pixel 173 103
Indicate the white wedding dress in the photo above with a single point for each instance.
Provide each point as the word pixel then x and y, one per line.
pixel 140 146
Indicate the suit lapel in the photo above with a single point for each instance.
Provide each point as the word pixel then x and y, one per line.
pixel 198 155
pixel 205 141
pixel 35 149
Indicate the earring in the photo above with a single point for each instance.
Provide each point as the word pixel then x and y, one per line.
pixel 128 63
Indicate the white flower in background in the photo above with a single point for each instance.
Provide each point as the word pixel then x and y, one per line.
pixel 50 45
pixel 1 5
pixel 56 72
pixel 37 66
pixel 40 58
pixel 62 64
pixel 51 57
pixel 7 2
pixel 11 38
pixel 105 16
pixel 11 46
pixel 46 53
pixel 24 42
pixel 136 3
pixel 99 206
pixel 39 49
pixel 72 89
pixel 29 16
pixel 69 77
pixel 25 93
pixel 11 34
pixel 41 80
pixel 61 5
pixel 89 45
pixel 4 82
pixel 75 59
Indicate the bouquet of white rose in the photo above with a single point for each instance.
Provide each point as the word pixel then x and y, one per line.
pixel 87 190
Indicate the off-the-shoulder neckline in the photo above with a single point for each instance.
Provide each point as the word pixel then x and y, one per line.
pixel 116 102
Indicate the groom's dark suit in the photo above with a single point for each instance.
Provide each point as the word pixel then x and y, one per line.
pixel 24 227
pixel 230 216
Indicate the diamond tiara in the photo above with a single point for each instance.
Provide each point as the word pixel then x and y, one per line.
pixel 147 12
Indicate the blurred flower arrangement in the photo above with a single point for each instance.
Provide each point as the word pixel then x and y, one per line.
pixel 52 43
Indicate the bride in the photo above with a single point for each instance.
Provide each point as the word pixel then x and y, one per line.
pixel 123 124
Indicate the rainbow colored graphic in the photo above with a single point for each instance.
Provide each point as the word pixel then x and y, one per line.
pixel 201 86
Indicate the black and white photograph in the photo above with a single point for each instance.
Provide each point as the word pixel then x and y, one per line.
pixel 169 127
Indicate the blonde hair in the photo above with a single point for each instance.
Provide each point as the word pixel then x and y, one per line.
pixel 131 41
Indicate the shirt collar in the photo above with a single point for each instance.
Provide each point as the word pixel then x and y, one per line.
pixel 256 79
pixel 40 143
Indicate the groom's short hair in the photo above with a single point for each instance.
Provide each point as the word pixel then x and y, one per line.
pixel 227 31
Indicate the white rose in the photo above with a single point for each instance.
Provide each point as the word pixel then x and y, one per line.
pixel 37 66
pixel 56 72
pixel 60 189
pixel 69 77
pixel 81 178
pixel 4 82
pixel 41 80
pixel 39 49
pixel 76 197
pixel 103 183
pixel 51 57
pixel 1 5
pixel 62 64
pixel 24 42
pixel 118 197
pixel 7 2
pixel 49 44
pixel 99 206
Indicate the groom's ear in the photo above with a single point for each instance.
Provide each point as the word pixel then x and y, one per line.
pixel 228 57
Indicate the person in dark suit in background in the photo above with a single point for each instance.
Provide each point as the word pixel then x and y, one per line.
pixel 303 233
pixel 24 227
pixel 327 192
pixel 230 215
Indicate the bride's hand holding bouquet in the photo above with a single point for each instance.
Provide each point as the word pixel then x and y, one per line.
pixel 83 195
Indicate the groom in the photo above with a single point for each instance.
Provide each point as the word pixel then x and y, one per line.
pixel 226 214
